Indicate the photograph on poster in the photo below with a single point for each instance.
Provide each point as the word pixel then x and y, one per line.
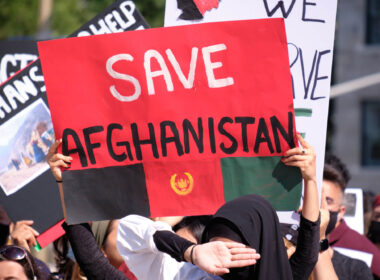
pixel 24 144
pixel 350 201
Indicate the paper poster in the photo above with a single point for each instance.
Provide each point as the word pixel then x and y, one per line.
pixel 161 127
pixel 16 55
pixel 310 27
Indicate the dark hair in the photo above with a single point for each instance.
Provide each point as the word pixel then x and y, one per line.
pixel 4 226
pixel 4 233
pixel 336 171
pixel 195 224
pixel 28 269
pixel 63 262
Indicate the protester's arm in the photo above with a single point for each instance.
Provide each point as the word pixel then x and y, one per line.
pixel 56 162
pixel 136 245
pixel 171 220
pixel 324 268
pixel 306 254
pixel 170 243
pixel 304 158
pixel 90 259
pixel 217 257
pixel 24 235
pixel 213 257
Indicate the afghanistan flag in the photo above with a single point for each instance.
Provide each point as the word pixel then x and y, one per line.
pixel 173 121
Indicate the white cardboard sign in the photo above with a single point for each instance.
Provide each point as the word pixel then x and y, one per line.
pixel 310 27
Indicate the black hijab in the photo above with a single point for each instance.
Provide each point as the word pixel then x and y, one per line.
pixel 252 220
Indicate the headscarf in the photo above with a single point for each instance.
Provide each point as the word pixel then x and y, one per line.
pixel 254 221
pixel 289 232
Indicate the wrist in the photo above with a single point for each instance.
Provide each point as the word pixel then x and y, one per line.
pixel 310 180
pixel 192 257
pixel 323 245
pixel 189 254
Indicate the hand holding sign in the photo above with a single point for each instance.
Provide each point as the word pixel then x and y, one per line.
pixel 23 234
pixel 56 161
pixel 302 157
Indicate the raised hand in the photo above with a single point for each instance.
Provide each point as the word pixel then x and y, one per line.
pixel 56 161
pixel 217 257
pixel 302 157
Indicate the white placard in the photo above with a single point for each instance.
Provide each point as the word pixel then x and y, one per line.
pixel 354 216
pixel 310 27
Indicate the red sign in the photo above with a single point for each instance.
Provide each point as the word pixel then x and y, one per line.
pixel 177 95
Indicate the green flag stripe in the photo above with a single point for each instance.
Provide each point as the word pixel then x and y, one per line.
pixel 303 112
pixel 265 176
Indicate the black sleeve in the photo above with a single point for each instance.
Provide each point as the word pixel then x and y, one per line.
pixel 352 269
pixel 168 242
pixel 306 255
pixel 90 259
pixel 362 271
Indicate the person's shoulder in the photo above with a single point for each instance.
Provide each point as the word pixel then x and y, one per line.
pixel 364 242
pixel 355 240
pixel 135 218
pixel 350 268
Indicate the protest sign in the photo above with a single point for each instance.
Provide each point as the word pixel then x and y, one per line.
pixel 28 190
pixel 310 27
pixel 161 127
pixel 16 55
pixel 354 215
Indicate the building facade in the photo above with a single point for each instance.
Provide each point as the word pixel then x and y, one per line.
pixel 356 115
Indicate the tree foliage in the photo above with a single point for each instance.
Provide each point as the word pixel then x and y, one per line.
pixel 18 18
pixel 153 11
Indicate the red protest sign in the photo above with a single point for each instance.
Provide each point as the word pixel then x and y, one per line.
pixel 170 98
